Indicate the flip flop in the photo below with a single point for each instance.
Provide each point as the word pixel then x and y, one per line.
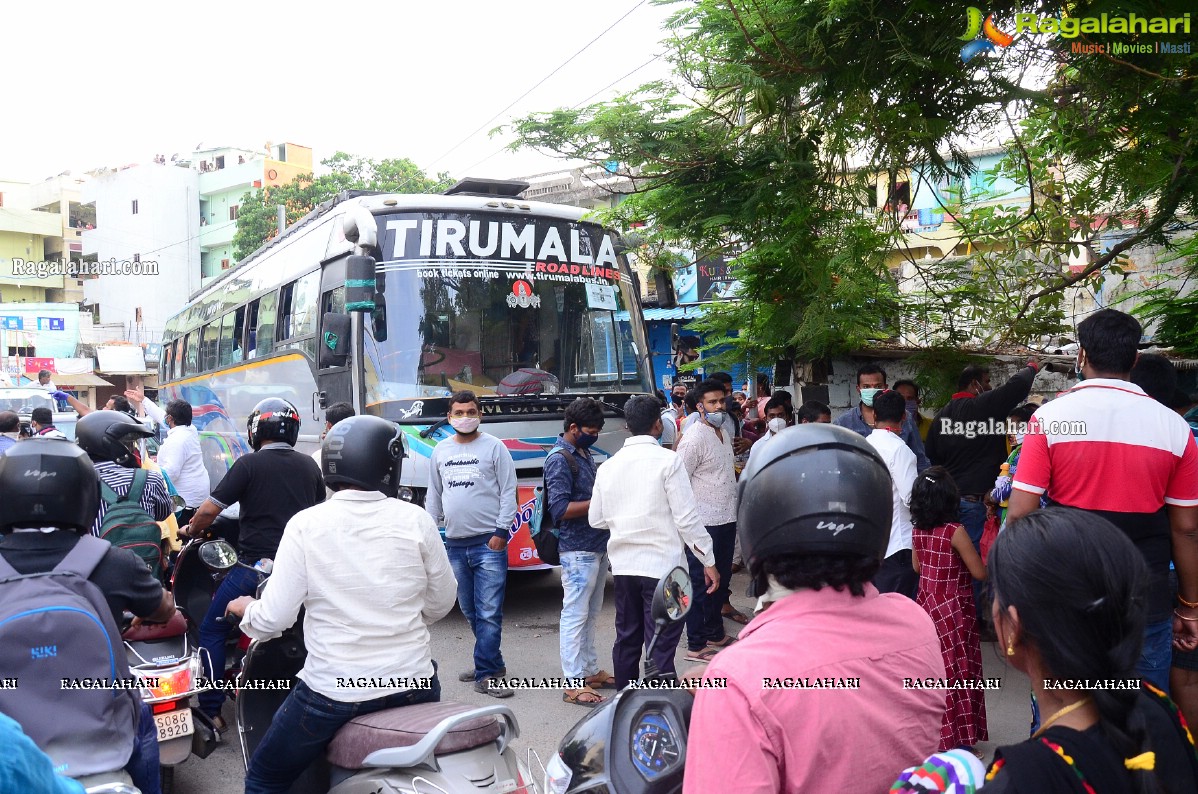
pixel 601 680
pixel 573 697
pixel 736 616
pixel 704 655
pixel 724 643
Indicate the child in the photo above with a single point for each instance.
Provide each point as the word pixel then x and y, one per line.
pixel 945 559
pixel 1002 486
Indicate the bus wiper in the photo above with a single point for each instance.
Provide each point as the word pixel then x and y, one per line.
pixel 428 431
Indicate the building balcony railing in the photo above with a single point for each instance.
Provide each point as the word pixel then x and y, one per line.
pixel 213 235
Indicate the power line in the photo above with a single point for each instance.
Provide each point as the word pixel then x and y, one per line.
pixel 575 106
pixel 541 82
pixel 617 80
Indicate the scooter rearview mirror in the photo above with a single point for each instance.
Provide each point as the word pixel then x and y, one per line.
pixel 177 503
pixel 672 600
pixel 218 555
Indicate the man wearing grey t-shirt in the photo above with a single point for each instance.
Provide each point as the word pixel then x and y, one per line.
pixel 472 493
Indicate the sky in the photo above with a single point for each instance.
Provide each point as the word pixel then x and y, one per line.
pixel 110 84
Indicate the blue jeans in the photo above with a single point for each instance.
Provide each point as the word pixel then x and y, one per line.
pixel 303 727
pixel 238 582
pixel 1157 656
pixel 973 516
pixel 705 621
pixel 482 577
pixel 143 764
pixel 583 575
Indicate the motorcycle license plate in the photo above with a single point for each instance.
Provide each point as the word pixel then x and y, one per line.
pixel 174 724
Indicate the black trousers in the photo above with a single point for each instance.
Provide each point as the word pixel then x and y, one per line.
pixel 634 630
pixel 705 621
pixel 897 576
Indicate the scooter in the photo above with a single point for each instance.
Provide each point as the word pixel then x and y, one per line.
pixel 171 672
pixel 447 747
pixel 634 742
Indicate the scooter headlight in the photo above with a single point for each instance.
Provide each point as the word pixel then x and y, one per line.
pixel 557 775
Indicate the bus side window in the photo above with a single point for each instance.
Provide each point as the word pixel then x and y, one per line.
pixel 208 346
pixel 306 300
pixel 266 323
pixel 225 354
pixel 167 360
pixel 333 301
pixel 238 330
pixel 286 299
pixel 192 342
pixel 251 330
pixel 297 307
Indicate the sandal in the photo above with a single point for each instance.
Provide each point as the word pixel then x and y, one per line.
pixel 736 616
pixel 724 643
pixel 575 697
pixel 702 655
pixel 601 680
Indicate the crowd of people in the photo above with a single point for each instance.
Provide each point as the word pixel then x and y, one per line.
pixel 883 548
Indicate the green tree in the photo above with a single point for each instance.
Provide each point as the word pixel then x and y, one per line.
pixel 781 114
pixel 257 219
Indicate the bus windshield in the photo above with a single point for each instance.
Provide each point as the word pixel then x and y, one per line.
pixel 495 304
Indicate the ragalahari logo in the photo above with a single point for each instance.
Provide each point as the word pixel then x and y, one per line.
pixel 975 25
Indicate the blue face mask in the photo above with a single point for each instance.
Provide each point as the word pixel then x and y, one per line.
pixel 912 408
pixel 585 440
pixel 867 396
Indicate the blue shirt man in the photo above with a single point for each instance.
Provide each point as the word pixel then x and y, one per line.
pixel 569 479
pixel 871 379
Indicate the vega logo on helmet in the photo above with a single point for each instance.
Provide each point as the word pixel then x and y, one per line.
pixel 834 527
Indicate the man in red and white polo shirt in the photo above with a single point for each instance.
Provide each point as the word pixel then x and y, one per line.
pixel 1107 447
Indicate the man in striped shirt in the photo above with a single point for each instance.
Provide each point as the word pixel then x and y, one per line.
pixel 1134 464
pixel 106 437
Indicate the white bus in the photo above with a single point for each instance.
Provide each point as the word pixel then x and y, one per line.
pixel 526 304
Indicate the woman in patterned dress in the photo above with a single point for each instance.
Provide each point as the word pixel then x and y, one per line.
pixel 947 563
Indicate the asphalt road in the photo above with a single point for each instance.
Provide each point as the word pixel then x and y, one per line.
pixel 530 646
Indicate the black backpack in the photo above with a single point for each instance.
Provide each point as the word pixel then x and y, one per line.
pixel 127 525
pixel 546 536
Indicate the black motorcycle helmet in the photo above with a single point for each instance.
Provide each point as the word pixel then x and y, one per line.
pixel 109 435
pixel 363 451
pixel 273 419
pixel 48 482
pixel 814 489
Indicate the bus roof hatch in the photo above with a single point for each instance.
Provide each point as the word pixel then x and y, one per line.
pixel 497 188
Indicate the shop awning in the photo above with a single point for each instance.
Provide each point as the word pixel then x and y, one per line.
pixel 79 379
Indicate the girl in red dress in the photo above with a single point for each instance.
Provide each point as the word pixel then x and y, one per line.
pixel 947 564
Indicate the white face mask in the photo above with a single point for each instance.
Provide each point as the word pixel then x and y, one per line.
pixel 1019 438
pixel 465 425
pixel 777 424
pixel 715 418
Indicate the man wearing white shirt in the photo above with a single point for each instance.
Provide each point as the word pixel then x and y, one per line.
pixel 643 497
pixel 372 574
pixel 44 382
pixel 897 575
pixel 180 455
pixel 707 454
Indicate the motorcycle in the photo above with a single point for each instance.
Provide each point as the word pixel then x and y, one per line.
pixel 448 747
pixel 634 742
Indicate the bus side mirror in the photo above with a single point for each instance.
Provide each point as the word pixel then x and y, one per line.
pixel 334 340
pixel 360 284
